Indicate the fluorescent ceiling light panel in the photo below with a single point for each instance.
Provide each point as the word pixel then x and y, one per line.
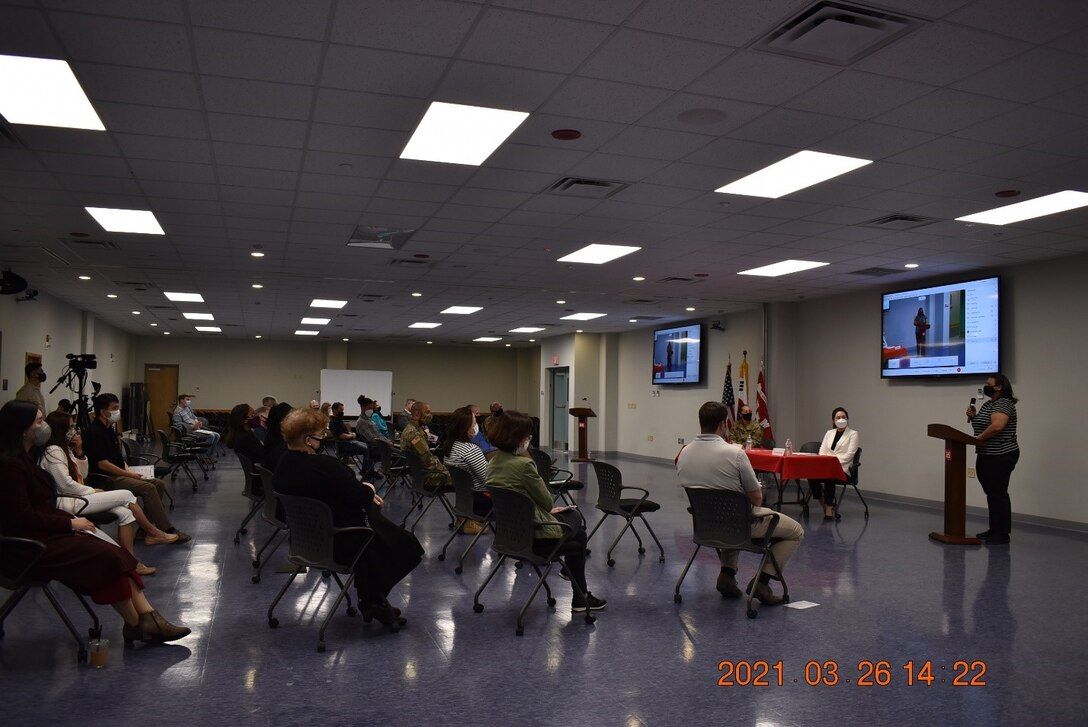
pixel 423 324
pixel 461 310
pixel 486 339
pixel 315 321
pixel 306 333
pixel 115 220
pixel 209 329
pixel 185 297
pixel 199 316
pixel 583 316
pixel 783 268
pixel 44 92
pixel 321 303
pixel 803 169
pixel 1030 209
pixel 526 329
pixel 597 254
pixel 459 134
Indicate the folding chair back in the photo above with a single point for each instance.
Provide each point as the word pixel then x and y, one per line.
pixel 464 493
pixel 810 448
pixel 271 512
pixel 543 463
pixel 514 529
pixel 721 518
pixel 253 483
pixel 610 488
pixel 852 481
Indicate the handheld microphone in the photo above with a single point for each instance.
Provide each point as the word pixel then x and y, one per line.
pixel 972 401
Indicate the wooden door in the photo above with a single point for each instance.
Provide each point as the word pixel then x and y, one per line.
pixel 162 393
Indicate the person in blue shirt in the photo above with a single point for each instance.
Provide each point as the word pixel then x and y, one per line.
pixel 479 438
pixel 375 415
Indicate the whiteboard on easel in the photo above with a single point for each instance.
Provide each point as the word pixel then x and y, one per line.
pixel 345 385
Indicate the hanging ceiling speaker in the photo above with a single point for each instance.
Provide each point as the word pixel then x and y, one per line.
pixel 10 283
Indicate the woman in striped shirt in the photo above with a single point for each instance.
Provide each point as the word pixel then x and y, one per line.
pixel 459 450
pixel 997 453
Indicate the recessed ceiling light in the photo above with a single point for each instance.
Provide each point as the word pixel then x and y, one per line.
pixel 532 340
pixel 154 325
pixel 424 324
pixel 209 329
pixel 486 339
pixel 306 333
pixel 429 342
pixel 461 310
pixel 596 254
pixel 638 278
pixel 257 336
pixel 84 277
pixel 199 316
pixel 632 320
pixel 560 302
pixel 417 295
pixel 583 316
pixel 111 295
pixel 783 268
pixel 911 266
pixel 256 286
pixel 166 333
pixel 459 134
pixel 508 345
pixel 579 331
pixel 322 303
pixel 44 92
pixel 185 297
pixel 803 169
pixel 256 253
pixel 1030 209
pixel 135 312
pixel 315 321
pixel 526 329
pixel 689 309
pixel 115 220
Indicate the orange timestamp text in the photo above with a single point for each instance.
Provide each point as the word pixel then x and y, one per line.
pixel 864 673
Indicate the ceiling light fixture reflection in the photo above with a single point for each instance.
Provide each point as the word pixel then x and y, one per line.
pixel 598 254
pixel 209 329
pixel 315 321
pixel 803 169
pixel 526 329
pixel 323 303
pixel 583 316
pixel 461 310
pixel 199 316
pixel 1030 209
pixel 460 134
pixel 486 339
pixel 306 333
pixel 782 268
pixel 424 324
pixel 185 297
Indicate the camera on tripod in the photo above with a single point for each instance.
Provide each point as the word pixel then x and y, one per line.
pixel 80 362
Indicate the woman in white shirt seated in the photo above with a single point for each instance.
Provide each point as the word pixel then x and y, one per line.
pixel 840 441
pixel 64 462
pixel 461 451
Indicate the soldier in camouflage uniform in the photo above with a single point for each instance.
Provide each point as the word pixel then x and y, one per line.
pixel 744 427
pixel 415 439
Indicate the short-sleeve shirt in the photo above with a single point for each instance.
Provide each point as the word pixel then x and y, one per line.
pixel 100 443
pixel 710 461
pixel 337 426
pixel 1004 441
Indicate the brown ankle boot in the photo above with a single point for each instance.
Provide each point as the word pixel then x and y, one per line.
pixel 155 628
pixel 132 633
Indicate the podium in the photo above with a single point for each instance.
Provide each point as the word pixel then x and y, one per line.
pixel 583 413
pixel 955 484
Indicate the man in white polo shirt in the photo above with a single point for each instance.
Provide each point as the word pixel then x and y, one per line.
pixel 710 461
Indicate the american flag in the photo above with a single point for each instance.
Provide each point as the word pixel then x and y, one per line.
pixel 727 394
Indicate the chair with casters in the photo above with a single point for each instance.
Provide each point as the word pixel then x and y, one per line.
pixel 313 536
pixel 271 513
pixel 722 519
pixel 421 493
pixel 20 584
pixel 252 491
pixel 176 458
pixel 610 501
pixel 852 481
pixel 514 531
pixel 561 482
pixel 464 498
pixel 393 473
pixel 201 451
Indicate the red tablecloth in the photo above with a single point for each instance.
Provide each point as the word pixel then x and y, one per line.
pixel 797 466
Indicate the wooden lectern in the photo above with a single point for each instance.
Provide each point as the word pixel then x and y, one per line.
pixel 583 413
pixel 955 484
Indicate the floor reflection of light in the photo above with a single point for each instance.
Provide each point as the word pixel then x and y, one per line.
pixel 251 678
pixel 410 673
pixel 689 651
pixel 634 721
pixel 444 630
pixel 555 660
pixel 200 585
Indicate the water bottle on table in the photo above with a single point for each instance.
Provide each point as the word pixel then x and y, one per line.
pixel 789 446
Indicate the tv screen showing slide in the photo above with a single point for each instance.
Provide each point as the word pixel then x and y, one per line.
pixel 946 330
pixel 678 354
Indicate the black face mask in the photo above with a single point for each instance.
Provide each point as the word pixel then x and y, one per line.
pixel 746 417
pixel 989 390
pixel 41 376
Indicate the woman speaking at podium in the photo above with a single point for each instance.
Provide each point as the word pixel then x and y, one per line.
pixel 997 452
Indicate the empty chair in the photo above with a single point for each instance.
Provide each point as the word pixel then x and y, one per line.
pixel 176 458
pixel 464 509
pixel 852 481
pixel 514 532
pixel 722 519
pixel 312 546
pixel 271 513
pixel 610 501
pixel 252 491
pixel 560 481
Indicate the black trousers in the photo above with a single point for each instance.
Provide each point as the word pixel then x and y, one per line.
pixel 573 551
pixel 823 488
pixel 993 472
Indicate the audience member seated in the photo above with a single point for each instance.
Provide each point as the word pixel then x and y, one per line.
pixel 65 407
pixel 89 565
pixel 314 404
pixel 710 461
pixel 258 423
pixel 461 451
pixel 347 443
pixel 274 445
pixel 365 426
pixel 392 554
pixel 375 416
pixel 32 390
pixel 495 408
pixel 326 408
pixel 240 435
pixel 103 447
pixel 745 428
pixel 414 438
pixel 192 424
pixel 402 418
pixel 480 439
pixel 840 441
pixel 63 460
pixel 510 468
pixel 268 402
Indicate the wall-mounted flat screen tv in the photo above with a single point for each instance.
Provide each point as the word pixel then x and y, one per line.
pixel 943 330
pixel 678 355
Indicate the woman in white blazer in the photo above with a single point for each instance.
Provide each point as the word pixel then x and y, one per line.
pixel 840 441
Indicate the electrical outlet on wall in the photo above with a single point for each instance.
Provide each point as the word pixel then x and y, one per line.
pixel 632 405
pixel 971 472
pixel 649 437
pixel 679 440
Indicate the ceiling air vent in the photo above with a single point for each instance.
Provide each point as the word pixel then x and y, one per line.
pixel 372 297
pixel 403 262
pixel 585 188
pixel 837 32
pixel 899 223
pixel 641 301
pixel 160 307
pixel 380 238
pixel 680 280
pixel 93 244
pixel 876 272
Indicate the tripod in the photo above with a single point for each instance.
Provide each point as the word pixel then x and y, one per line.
pixel 75 378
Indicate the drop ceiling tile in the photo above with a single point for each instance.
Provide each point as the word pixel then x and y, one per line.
pixel 271 17
pixel 470 212
pixel 66 141
pixel 1074 101
pixel 641 141
pixel 353 140
pixel 378 71
pixel 737 24
pixel 1032 76
pixel 521 157
pixel 417 192
pixel 945 111
pixel 25 32
pixel 263 178
pixel 652 60
pixel 152 120
pixel 514 38
pixel 1039 22
pixel 256 57
pixel 379 111
pixel 507 179
pixel 801 128
pixel 604 100
pixel 612 12
pixel 172 171
pixel 179 190
pixel 324 200
pixel 85 164
pixel 123 42
pixel 737 155
pixel 136 146
pixel 947 153
pixel 326 162
pixel 489 197
pixel 334 184
pixel 1024 126
pixel 550 209
pixel 858 95
pixel 434 25
pixel 259 157
pixel 616 167
pixel 702 114
pixel 761 78
pixel 256 98
pixel 873 141
pixel 493 86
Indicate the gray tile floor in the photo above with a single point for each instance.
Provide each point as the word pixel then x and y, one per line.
pixel 885 593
